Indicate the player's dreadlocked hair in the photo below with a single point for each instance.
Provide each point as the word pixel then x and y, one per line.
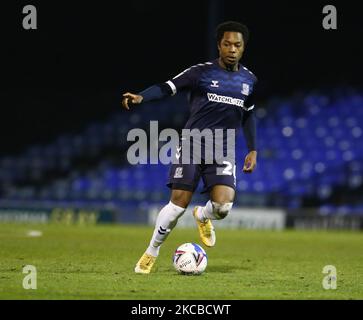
pixel 232 26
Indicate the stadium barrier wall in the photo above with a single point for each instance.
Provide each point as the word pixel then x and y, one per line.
pixel 239 218
pixel 55 215
pixel 246 218
pixel 311 219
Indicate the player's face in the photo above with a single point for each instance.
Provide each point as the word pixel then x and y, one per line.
pixel 231 48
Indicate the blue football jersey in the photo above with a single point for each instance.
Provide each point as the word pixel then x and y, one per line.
pixel 217 97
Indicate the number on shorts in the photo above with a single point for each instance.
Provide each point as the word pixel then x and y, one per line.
pixel 228 169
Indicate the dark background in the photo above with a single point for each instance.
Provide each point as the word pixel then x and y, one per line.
pixel 75 66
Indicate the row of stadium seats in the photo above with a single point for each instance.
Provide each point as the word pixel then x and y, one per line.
pixel 308 145
pixel 60 155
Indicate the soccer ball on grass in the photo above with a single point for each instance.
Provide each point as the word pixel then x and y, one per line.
pixel 190 259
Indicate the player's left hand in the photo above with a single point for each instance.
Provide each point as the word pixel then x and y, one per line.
pixel 250 162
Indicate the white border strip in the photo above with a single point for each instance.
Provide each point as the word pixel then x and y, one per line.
pixel 172 86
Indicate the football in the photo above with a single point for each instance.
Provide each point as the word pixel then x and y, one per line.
pixel 190 259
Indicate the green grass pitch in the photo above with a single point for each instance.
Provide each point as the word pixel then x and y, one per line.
pixel 96 262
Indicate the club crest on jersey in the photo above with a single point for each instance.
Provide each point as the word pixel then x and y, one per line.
pixel 245 89
pixel 215 84
pixel 178 172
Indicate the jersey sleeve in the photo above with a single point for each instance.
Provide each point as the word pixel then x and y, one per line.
pixel 249 120
pixel 249 103
pixel 187 79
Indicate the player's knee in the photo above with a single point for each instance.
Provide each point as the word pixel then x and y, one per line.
pixel 181 198
pixel 174 212
pixel 221 210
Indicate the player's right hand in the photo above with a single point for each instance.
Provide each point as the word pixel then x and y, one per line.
pixel 130 98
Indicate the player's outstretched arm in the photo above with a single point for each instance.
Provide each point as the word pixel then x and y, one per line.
pixel 154 92
pixel 186 79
